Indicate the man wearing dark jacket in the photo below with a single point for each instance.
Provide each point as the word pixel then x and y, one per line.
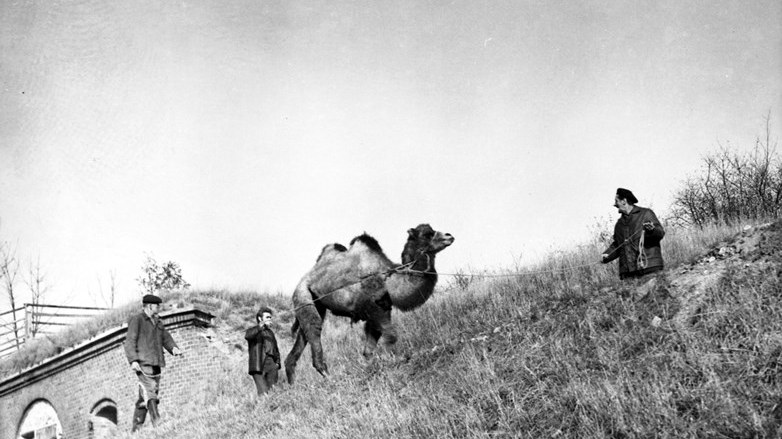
pixel 637 236
pixel 264 354
pixel 144 343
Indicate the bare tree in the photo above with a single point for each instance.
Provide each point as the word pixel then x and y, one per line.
pixel 9 269
pixel 732 186
pixel 108 296
pixel 39 286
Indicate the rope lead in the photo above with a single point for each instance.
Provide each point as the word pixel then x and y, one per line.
pixel 642 259
pixel 406 269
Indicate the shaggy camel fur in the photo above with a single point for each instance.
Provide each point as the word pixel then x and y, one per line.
pixel 360 282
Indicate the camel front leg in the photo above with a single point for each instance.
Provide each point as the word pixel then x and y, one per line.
pixel 371 336
pixel 379 329
pixel 389 337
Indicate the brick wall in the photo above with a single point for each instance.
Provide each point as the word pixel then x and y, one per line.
pixel 95 375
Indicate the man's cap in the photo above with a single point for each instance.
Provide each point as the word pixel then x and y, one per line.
pixel 627 195
pixel 151 298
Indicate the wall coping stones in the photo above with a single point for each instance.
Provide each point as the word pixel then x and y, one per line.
pixel 96 345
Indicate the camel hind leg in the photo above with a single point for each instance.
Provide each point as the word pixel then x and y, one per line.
pixel 293 357
pixel 310 322
pixel 312 331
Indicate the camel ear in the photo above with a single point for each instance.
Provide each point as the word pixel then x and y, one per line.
pixel 412 233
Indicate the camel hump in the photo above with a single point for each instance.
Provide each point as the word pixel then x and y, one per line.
pixel 367 241
pixel 331 250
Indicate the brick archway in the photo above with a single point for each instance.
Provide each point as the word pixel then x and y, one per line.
pixel 40 421
pixel 103 420
pixel 92 388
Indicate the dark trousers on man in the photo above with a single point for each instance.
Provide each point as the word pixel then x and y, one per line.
pixel 267 379
pixel 640 273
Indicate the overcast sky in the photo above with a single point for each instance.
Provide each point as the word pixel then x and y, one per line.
pixel 238 137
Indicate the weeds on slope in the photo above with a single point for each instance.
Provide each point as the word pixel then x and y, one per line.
pixel 563 354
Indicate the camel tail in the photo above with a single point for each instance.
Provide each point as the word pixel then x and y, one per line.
pixel 294 327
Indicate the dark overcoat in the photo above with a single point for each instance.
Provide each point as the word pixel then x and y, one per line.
pixel 262 344
pixel 627 237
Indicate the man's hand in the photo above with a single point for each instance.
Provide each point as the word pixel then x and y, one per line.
pixel 135 366
pixel 176 351
pixel 649 226
pixel 603 257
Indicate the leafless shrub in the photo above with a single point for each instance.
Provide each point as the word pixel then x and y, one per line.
pixel 732 186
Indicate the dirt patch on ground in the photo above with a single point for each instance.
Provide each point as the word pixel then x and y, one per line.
pixel 753 250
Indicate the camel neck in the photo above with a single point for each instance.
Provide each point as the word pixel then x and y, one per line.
pixel 411 289
pixel 419 262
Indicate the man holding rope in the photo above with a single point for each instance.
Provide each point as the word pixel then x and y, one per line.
pixel 637 236
pixel 144 343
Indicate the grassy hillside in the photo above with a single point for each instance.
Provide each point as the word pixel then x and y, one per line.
pixel 562 350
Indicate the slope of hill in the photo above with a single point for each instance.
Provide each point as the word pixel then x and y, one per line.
pixel 563 351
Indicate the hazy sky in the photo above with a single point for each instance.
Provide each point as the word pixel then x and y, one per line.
pixel 238 137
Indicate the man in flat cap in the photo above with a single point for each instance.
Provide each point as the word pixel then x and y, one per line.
pixel 637 236
pixel 144 343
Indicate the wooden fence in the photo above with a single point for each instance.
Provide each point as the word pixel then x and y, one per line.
pixel 24 323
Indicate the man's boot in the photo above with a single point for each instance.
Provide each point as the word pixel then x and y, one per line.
pixel 139 416
pixel 153 413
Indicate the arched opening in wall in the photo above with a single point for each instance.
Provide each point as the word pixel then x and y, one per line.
pixel 103 420
pixel 40 421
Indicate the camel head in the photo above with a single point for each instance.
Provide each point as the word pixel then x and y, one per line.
pixel 409 291
pixel 424 239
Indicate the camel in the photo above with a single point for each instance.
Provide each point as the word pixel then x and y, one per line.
pixel 360 282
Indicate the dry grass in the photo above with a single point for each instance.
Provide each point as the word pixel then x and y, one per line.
pixel 546 353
